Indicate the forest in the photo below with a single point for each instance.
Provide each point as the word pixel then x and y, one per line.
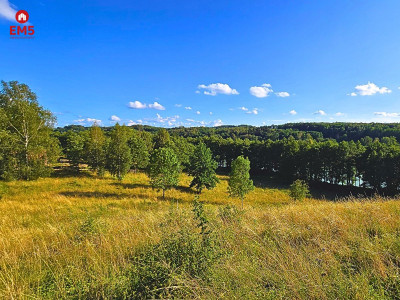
pixel 340 154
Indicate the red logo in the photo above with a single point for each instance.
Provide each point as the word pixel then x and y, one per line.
pixel 22 16
pixel 22 32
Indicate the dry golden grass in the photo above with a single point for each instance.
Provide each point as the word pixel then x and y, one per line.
pixel 74 236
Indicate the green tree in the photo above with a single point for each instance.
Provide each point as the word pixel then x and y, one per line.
pixel 299 190
pixel 30 147
pixel 75 150
pixel 119 156
pixel 139 151
pixel 202 167
pixel 164 169
pixel 95 149
pixel 162 139
pixel 240 184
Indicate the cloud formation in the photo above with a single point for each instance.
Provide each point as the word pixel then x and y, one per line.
pixel 157 106
pixel 7 10
pixel 86 121
pixel 254 111
pixel 386 114
pixel 115 118
pixel 261 91
pixel 140 105
pixel 217 88
pixel 320 112
pixel 339 114
pixel 282 94
pixel 293 112
pixel 369 89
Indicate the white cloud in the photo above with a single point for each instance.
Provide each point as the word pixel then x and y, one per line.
pixel 130 123
pixel 339 114
pixel 170 121
pixel 254 111
pixel 178 105
pixel 386 114
pixel 157 106
pixel 217 88
pixel 211 113
pixel 293 112
pixel 320 112
pixel 140 105
pixel 7 10
pixel 243 108
pixel 282 94
pixel 86 121
pixel 261 91
pixel 188 108
pixel 137 105
pixel 218 123
pixel 197 112
pixel 369 89
pixel 115 118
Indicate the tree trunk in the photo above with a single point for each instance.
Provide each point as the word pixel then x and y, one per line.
pixel 163 194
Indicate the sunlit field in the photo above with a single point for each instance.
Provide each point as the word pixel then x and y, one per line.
pixel 89 237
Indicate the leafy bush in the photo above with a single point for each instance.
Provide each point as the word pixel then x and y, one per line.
pixel 157 270
pixel 299 190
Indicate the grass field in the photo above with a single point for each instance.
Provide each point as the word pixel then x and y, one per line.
pixel 87 237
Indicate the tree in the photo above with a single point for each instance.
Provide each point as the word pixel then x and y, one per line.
pixel 75 151
pixel 95 150
pixel 30 147
pixel 299 190
pixel 202 167
pixel 119 157
pixel 139 151
pixel 162 139
pixel 240 184
pixel 164 169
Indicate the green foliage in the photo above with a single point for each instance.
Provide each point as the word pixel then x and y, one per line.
pixel 202 167
pixel 3 190
pixel 139 151
pixel 95 150
pixel 164 169
pixel 162 139
pixel 119 158
pixel 27 146
pixel 75 150
pixel 157 270
pixel 299 190
pixel 240 184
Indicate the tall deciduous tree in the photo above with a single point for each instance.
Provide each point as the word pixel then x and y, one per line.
pixel 139 151
pixel 164 169
pixel 240 184
pixel 27 127
pixel 162 139
pixel 202 167
pixel 95 149
pixel 75 150
pixel 119 156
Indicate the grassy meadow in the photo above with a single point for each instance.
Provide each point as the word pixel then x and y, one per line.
pixel 88 238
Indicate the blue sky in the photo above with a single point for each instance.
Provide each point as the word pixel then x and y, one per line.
pixel 231 62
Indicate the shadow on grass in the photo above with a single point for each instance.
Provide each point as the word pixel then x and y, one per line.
pixel 181 188
pixel 68 173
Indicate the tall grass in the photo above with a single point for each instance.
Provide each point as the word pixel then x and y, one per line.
pixel 88 237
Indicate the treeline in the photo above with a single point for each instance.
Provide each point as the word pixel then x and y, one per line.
pixel 29 147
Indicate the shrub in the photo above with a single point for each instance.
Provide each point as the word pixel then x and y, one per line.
pixel 299 190
pixel 158 270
